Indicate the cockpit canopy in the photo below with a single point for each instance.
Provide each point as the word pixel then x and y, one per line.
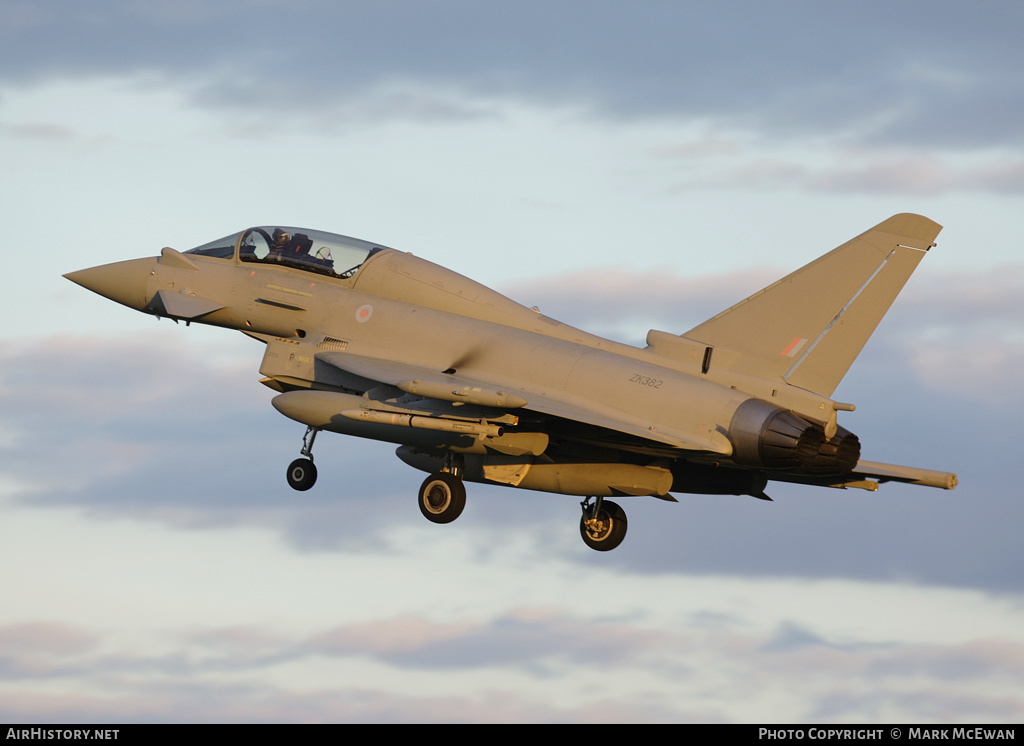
pixel 315 251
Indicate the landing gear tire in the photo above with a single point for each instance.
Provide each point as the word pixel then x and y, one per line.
pixel 301 474
pixel 442 497
pixel 603 526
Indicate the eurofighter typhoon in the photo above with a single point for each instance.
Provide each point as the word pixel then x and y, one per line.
pixel 376 343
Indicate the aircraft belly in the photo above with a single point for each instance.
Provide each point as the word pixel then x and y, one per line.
pixel 587 478
pixel 598 479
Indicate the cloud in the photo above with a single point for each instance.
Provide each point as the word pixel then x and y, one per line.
pixel 39 131
pixel 837 171
pixel 788 71
pixel 46 638
pixel 42 650
pixel 549 664
pixel 531 639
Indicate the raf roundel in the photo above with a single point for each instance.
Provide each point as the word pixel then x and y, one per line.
pixel 363 313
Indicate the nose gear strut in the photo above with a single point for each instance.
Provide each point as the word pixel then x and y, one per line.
pixel 302 472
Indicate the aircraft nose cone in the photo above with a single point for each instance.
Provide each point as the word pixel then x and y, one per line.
pixel 124 282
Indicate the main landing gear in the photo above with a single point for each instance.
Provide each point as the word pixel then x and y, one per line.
pixel 603 524
pixel 302 472
pixel 442 498
pixel 443 494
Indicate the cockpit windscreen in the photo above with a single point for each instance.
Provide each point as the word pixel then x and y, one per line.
pixel 222 248
pixel 315 251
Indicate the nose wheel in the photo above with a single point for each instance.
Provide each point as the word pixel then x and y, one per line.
pixel 603 524
pixel 302 472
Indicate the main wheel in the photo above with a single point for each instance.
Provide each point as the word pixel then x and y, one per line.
pixel 607 529
pixel 301 474
pixel 442 497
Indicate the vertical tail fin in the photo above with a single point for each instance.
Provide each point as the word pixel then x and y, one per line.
pixel 808 327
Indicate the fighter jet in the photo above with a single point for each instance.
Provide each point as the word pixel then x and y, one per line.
pixel 376 343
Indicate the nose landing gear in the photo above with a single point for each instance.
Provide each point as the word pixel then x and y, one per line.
pixel 302 472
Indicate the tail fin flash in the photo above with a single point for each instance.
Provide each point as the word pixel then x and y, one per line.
pixel 809 327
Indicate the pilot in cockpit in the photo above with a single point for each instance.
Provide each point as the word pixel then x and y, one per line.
pixel 284 247
pixel 278 242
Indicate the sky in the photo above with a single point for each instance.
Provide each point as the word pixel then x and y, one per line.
pixel 623 166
